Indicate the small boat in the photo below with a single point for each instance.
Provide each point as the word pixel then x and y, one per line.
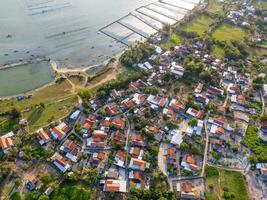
pixel 9 36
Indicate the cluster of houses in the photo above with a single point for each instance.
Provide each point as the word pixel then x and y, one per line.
pixel 243 16
pixel 119 147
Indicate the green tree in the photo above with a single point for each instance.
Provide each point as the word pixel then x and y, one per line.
pixel 192 122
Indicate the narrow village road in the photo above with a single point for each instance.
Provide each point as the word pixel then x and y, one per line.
pixel 206 146
pixel 263 104
pixel 162 159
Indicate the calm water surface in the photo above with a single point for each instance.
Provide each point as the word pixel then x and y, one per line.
pixel 20 79
pixel 68 31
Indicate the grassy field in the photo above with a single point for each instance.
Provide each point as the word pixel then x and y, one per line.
pixel 199 25
pixel 235 183
pixel 223 183
pixel 260 4
pixel 218 52
pixel 254 51
pixel 58 101
pixel 172 41
pixel 40 117
pixel 49 94
pixel 215 7
pixel 228 32
pixel 78 81
pixel 7 125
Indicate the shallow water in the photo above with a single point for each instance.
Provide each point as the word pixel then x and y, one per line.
pixel 68 30
pixel 20 79
pixel 75 33
pixel 61 29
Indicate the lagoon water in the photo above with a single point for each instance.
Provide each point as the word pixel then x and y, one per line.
pixel 76 33
pixel 17 80
pixel 65 30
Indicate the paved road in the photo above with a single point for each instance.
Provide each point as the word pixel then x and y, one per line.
pixel 206 146
pixel 162 159
pixel 263 104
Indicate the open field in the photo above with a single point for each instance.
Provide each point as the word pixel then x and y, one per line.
pixel 227 32
pixel 7 125
pixel 260 4
pixel 40 117
pixel 221 184
pixel 215 7
pixel 77 81
pixel 172 41
pixel 218 52
pixel 254 51
pixel 199 25
pixel 49 94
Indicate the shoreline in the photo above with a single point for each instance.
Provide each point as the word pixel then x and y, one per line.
pixel 54 64
pixel 26 62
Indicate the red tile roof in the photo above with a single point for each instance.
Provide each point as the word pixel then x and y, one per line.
pixel 42 135
pixel 190 160
pixel 187 187
pixel 5 143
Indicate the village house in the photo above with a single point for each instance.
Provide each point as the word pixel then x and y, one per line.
pixel 119 123
pixel 194 113
pixel 171 155
pixel 217 145
pixel 239 99
pixel 176 137
pixel 136 152
pixel 264 88
pixel 59 132
pixel 120 158
pixel 119 137
pixel 74 116
pixel 155 78
pixel 137 179
pixel 71 149
pixel 112 173
pixel 242 80
pixel 42 136
pixel 60 162
pixel 189 163
pixel 177 106
pixel 195 129
pixel 262 169
pixel 106 124
pixel 170 114
pixel 187 191
pixel 213 92
pixel 138 140
pixel 127 104
pixel 31 182
pixel 137 85
pixel 115 186
pixel 232 88
pixel 90 121
pixel 6 143
pixel 264 127
pixel 177 70
pixel 137 164
pixel 97 140
pixel 201 99
pixel 139 99
pixel 98 160
pixel 115 94
pixel 199 88
pixel 156 101
pixel 112 109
